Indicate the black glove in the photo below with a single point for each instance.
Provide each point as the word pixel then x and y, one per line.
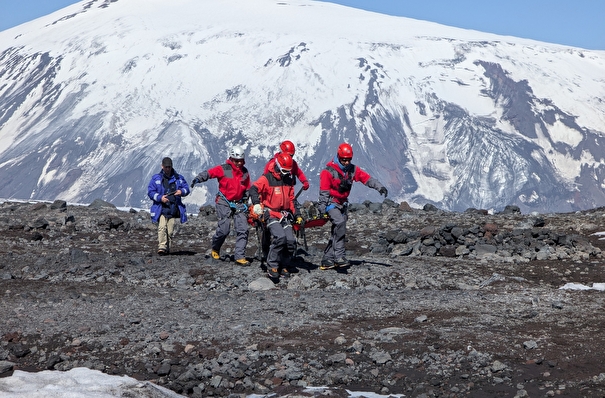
pixel 195 181
pixel 383 191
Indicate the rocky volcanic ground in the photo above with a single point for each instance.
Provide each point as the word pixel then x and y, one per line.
pixel 435 304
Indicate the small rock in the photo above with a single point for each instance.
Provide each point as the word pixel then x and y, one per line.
pixel 6 366
pixel 381 357
pixel 261 284
pixel 498 366
pixel 164 369
pixel 340 340
pixel 337 358
pixel 530 344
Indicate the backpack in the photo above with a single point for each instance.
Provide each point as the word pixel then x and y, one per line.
pixel 228 171
pixel 346 180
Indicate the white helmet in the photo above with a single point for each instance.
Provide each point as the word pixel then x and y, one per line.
pixel 236 152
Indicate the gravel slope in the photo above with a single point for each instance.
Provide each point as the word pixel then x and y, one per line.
pixel 82 286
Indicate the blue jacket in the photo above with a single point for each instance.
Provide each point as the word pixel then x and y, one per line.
pixel 156 190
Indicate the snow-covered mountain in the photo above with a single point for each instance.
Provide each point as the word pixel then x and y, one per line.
pixel 94 95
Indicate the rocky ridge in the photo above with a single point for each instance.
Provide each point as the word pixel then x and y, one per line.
pixel 434 304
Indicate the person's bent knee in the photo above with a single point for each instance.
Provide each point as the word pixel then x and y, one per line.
pixel 291 245
pixel 279 241
pixel 341 225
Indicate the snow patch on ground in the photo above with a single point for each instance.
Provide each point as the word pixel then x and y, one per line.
pixel 78 383
pixel 88 383
pixel 579 286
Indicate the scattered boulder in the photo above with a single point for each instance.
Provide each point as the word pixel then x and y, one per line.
pixel 59 205
pixel 430 207
pixel 99 204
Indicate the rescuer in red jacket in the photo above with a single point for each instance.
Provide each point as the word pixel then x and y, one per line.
pixel 231 203
pixel 272 198
pixel 335 182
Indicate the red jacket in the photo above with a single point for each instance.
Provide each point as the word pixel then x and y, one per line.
pixel 296 171
pixel 233 181
pixel 329 184
pixel 275 193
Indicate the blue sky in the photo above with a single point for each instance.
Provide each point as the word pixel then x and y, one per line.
pixel 578 23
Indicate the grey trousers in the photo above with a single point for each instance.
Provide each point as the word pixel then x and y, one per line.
pixel 240 224
pixel 283 243
pixel 335 249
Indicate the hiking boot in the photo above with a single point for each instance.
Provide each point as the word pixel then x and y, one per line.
pixel 162 251
pixel 326 264
pixel 284 273
pixel 215 254
pixel 342 262
pixel 273 273
pixel 243 262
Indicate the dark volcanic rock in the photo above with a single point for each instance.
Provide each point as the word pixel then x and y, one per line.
pixel 434 303
pixel 59 205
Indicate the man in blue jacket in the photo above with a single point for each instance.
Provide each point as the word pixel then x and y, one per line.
pixel 166 190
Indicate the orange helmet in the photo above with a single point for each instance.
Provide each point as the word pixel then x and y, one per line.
pixel 284 163
pixel 287 147
pixel 345 151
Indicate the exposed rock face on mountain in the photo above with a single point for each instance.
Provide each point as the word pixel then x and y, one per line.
pixel 91 98
pixel 435 303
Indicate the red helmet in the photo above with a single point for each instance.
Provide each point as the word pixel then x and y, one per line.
pixel 345 151
pixel 284 163
pixel 287 147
